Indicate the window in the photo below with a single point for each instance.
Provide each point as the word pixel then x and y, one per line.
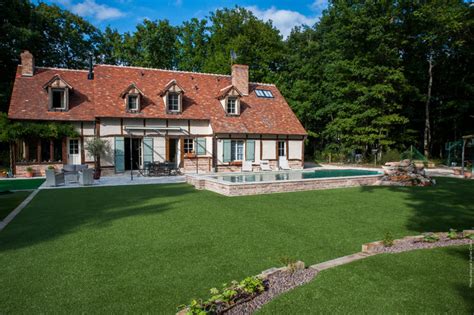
pixel 57 101
pixel 57 150
pixel 73 146
pixel 32 145
pixel 232 105
pixel 281 148
pixel 132 102
pixel 236 150
pixel 188 146
pixel 45 150
pixel 264 93
pixel 173 102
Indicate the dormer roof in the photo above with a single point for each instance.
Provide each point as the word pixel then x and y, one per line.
pixel 171 86
pixel 57 82
pixel 132 88
pixel 229 90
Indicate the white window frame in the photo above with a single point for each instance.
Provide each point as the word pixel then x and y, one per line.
pixel 232 101
pixel 236 150
pixel 169 104
pixel 137 102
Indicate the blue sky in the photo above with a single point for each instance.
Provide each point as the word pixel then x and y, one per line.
pixel 125 14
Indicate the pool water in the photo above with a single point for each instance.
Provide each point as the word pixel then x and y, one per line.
pixel 282 176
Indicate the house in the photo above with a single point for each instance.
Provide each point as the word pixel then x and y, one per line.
pixel 203 122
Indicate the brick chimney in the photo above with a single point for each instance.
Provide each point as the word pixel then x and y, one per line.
pixel 240 78
pixel 27 64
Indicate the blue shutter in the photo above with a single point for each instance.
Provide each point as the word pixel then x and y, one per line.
pixel 250 150
pixel 147 151
pixel 227 149
pixel 119 154
pixel 201 146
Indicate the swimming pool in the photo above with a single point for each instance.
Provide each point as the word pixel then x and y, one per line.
pixel 295 175
pixel 239 184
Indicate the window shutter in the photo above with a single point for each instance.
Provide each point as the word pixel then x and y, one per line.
pixel 250 150
pixel 119 154
pixel 227 149
pixel 147 151
pixel 201 146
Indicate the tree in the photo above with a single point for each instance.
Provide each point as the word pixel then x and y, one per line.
pixel 97 147
pixel 193 38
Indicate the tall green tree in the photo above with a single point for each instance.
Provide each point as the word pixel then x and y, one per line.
pixel 193 38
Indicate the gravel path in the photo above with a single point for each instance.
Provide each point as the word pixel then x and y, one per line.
pixel 412 245
pixel 278 283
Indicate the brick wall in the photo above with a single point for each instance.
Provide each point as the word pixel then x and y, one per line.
pixel 38 169
pixel 200 164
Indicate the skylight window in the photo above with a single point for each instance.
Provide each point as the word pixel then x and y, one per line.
pixel 264 93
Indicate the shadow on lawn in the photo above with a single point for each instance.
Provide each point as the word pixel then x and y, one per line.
pixel 80 208
pixel 449 204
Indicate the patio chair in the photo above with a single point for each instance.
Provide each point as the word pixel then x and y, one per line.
pixel 265 165
pixel 283 163
pixel 54 179
pixel 86 177
pixel 247 166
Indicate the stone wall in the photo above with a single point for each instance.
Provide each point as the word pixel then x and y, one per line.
pixel 39 169
pixel 283 186
pixel 197 165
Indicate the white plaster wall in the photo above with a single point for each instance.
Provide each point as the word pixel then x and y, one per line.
pixel 295 149
pixel 220 151
pixel 132 123
pixel 77 126
pixel 109 126
pixel 155 123
pixel 183 123
pixel 87 156
pixel 269 149
pixel 88 128
pixel 200 127
pixel 257 151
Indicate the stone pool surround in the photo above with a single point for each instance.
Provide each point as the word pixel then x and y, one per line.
pixel 267 187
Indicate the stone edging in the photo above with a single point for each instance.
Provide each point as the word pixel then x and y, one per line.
pixel 17 210
pixel 368 250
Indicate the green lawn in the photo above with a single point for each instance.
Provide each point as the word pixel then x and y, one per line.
pixel 149 248
pixel 10 200
pixel 434 281
pixel 19 184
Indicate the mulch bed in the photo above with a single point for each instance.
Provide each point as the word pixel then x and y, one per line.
pixel 411 244
pixel 278 283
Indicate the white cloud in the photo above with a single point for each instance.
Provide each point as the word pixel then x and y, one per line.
pixel 284 20
pixel 319 5
pixel 90 8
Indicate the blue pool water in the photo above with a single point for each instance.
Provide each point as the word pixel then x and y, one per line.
pixel 281 176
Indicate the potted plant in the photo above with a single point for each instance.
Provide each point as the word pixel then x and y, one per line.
pixel 96 148
pixel 29 171
pixel 468 171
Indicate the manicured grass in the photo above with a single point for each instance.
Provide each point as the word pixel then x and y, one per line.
pixel 434 281
pixel 149 248
pixel 10 200
pixel 19 184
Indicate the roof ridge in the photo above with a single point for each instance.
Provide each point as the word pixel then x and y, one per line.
pixel 165 70
pixel 62 69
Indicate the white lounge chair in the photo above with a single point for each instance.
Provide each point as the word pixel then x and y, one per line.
pixel 247 166
pixel 283 163
pixel 265 165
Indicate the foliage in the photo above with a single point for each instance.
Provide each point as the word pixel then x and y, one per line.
pixel 391 156
pixel 388 239
pixel 453 234
pixel 14 130
pixel 29 169
pixel 430 237
pixel 97 147
pixel 228 296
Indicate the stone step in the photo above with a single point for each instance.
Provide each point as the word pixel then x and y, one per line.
pixel 340 261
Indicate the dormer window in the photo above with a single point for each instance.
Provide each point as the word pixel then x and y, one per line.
pixel 173 97
pixel 232 105
pixel 132 96
pixel 58 94
pixel 174 102
pixel 133 102
pixel 230 100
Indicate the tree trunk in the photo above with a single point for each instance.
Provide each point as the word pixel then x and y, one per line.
pixel 427 133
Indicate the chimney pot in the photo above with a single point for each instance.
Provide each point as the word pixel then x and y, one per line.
pixel 240 78
pixel 27 64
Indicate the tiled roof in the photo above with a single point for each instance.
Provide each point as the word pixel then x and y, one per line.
pixel 101 97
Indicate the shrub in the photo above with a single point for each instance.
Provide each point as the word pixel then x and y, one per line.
pixel 230 295
pixel 453 234
pixel 50 167
pixel 430 237
pixel 29 169
pixel 390 156
pixel 388 239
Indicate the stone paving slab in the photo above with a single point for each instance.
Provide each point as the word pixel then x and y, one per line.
pixel 340 261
